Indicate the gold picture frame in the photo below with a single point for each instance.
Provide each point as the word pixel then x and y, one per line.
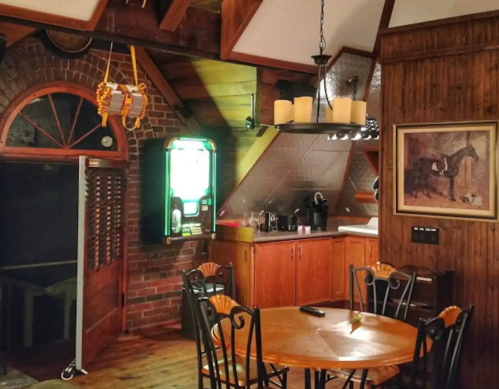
pixel 446 170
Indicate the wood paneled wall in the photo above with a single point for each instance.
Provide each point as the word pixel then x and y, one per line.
pixel 434 73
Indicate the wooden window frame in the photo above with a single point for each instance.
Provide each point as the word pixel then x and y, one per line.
pixel 38 153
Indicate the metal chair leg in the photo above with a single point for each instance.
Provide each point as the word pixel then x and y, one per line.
pixel 364 379
pixel 308 383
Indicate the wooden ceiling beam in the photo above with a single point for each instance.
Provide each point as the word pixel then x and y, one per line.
pixel 236 15
pixel 198 35
pixel 166 90
pixel 383 24
pixel 174 13
pixel 14 32
pixel 49 18
pixel 99 10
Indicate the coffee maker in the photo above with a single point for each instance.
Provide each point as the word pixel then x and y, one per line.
pixel 270 223
pixel 318 212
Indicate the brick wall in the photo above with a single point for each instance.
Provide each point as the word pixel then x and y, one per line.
pixel 154 272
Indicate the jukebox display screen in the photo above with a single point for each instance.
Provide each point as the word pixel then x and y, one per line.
pixel 191 187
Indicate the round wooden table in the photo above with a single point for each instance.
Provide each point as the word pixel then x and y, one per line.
pixel 296 339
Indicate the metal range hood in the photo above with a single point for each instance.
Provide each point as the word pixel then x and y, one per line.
pixel 292 168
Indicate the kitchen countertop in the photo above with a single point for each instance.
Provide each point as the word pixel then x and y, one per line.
pixel 332 231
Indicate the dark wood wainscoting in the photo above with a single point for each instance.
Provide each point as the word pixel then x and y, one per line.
pixel 435 73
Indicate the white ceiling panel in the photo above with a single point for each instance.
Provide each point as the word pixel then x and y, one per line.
pixel 418 11
pixel 75 9
pixel 288 30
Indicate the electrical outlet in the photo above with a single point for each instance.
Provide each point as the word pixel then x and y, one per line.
pixel 425 235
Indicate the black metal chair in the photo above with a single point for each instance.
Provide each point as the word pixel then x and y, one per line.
pixel 448 333
pixel 207 280
pixel 388 292
pixel 225 368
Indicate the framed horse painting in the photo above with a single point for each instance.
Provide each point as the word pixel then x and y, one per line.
pixel 446 170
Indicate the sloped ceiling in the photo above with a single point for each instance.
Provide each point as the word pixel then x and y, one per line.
pixel 288 29
pixel 217 93
pixel 81 10
pixel 410 11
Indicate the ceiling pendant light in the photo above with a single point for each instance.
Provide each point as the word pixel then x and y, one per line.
pixel 344 118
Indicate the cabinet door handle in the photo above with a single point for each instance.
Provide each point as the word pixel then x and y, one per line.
pixel 301 251
pixel 292 253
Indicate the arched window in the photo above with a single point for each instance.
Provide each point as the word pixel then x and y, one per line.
pixel 59 120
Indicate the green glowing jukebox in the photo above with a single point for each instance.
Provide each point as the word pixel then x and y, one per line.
pixel 178 189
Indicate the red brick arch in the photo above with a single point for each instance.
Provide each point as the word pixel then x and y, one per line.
pixel 153 275
pixel 50 87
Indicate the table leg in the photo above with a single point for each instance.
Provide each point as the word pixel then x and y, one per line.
pixel 308 384
pixel 364 379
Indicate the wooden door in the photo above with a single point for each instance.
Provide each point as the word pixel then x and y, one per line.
pixel 101 253
pixel 275 274
pixel 313 281
pixel 338 270
pixel 355 254
pixel 372 251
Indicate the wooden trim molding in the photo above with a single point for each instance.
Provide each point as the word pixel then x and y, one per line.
pixel 272 63
pixel 349 50
pixel 365 197
pixel 99 10
pixel 236 15
pixel 52 19
pixel 164 87
pixel 386 16
pixel 440 22
pixel 14 32
pixel 174 14
pixel 29 95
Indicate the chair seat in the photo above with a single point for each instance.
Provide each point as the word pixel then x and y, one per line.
pixel 374 376
pixel 241 372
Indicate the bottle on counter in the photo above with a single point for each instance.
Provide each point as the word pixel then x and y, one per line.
pixel 176 220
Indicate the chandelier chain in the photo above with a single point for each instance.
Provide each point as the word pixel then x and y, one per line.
pixel 322 43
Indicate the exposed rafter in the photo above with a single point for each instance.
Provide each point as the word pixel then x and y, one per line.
pixel 174 13
pixel 383 24
pixel 198 34
pixel 166 90
pixel 14 32
pixel 236 15
pixel 53 18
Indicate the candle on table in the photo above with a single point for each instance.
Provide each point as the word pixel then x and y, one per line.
pixel 303 109
pixel 342 110
pixel 282 111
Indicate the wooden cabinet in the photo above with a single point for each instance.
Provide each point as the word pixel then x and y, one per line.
pixel 275 273
pixel 355 255
pixel 338 270
pixel 313 281
pixel 294 273
pixel 240 253
pixel 372 251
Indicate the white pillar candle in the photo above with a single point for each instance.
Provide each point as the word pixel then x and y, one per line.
pixel 342 110
pixel 282 111
pixel 359 109
pixel 303 109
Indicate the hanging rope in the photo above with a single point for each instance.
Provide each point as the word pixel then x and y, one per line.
pixel 123 100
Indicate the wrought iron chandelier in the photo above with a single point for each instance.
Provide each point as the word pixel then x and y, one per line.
pixel 345 118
